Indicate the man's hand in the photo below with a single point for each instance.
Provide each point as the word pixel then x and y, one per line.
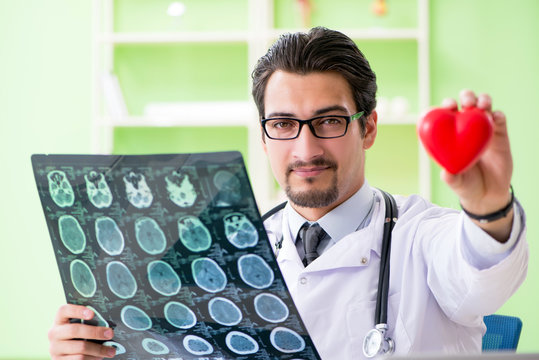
pixel 484 188
pixel 62 335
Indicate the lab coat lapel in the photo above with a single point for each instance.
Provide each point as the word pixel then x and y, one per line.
pixel 288 258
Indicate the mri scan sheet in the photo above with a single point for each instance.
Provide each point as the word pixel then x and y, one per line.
pixel 171 252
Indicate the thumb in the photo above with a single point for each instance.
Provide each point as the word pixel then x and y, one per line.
pixel 452 180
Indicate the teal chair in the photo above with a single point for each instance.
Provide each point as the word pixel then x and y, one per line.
pixel 502 333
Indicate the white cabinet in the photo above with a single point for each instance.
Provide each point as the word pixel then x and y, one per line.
pixel 253 31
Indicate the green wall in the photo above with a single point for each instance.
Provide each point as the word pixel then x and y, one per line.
pixel 491 46
pixel 486 45
pixel 45 88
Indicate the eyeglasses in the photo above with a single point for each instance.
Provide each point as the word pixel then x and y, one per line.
pixel 323 127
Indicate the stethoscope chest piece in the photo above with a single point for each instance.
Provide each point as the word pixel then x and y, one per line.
pixel 376 343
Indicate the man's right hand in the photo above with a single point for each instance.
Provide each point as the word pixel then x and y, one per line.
pixel 62 335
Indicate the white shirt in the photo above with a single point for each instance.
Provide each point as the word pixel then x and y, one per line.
pixel 446 274
pixel 353 214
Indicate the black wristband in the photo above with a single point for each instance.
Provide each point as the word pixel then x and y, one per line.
pixel 483 219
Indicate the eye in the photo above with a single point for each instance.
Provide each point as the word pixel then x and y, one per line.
pixel 282 124
pixel 332 121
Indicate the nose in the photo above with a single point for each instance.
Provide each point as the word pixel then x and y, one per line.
pixel 307 146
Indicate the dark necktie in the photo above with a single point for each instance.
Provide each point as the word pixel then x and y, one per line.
pixel 311 236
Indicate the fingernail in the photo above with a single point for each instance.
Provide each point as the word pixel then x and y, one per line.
pixel 108 333
pixel 87 314
pixel 468 99
pixel 111 352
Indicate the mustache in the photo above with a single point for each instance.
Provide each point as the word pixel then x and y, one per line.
pixel 316 162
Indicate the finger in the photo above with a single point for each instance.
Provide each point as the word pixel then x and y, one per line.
pixel 484 101
pixel 71 311
pixel 76 357
pixel 90 350
pixel 467 98
pixel 499 118
pixel 79 331
pixel 500 124
pixel 449 103
pixel 452 180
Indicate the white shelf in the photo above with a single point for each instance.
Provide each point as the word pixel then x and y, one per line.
pixel 364 34
pixel 244 36
pixel 174 37
pixel 257 37
pixel 215 113
pixel 144 121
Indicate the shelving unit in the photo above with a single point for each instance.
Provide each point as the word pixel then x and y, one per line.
pixel 258 36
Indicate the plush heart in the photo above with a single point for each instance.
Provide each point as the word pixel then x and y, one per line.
pixel 455 139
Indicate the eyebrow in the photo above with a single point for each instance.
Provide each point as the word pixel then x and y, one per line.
pixel 316 113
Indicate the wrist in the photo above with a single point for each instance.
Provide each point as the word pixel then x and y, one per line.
pixel 489 217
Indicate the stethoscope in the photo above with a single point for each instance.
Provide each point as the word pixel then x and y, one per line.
pixel 376 342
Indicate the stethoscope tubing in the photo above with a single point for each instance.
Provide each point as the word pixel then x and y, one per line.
pixel 380 314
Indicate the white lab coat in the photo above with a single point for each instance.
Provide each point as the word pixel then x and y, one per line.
pixel 436 297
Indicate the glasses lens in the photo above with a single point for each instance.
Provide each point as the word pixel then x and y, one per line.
pixel 282 128
pixel 330 126
pixel 324 127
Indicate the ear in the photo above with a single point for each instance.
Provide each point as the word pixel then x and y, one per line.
pixel 371 129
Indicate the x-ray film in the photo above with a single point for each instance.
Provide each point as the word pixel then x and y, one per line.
pixel 171 252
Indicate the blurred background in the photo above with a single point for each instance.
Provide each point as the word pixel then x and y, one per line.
pixel 161 76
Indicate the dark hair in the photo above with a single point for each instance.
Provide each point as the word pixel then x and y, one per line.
pixel 319 50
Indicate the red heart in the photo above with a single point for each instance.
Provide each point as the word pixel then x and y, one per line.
pixel 455 139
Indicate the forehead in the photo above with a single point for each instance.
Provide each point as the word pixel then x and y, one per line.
pixel 302 95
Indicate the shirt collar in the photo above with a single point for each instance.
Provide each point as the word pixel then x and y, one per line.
pixel 341 221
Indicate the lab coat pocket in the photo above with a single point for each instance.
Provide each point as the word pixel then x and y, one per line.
pixel 360 320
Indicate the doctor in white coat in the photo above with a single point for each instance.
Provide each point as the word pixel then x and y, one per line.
pixel 315 94
pixel 447 270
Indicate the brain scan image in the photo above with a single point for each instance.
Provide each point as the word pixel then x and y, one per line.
pixel 98 190
pixel 197 345
pixel 109 236
pixel 286 340
pixel 193 234
pixel 82 278
pixel 71 234
pixel 154 347
pixel 169 250
pixel 134 318
pixel 229 187
pixel 121 281
pixel 240 231
pixel 241 343
pixel 149 236
pixel 270 308
pixel 120 349
pixel 137 190
pixel 60 189
pixel 163 278
pixel 208 275
pixel 179 315
pixel 255 272
pixel 180 190
pixel 97 320
pixel 224 311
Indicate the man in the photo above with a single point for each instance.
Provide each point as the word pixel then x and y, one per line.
pixel 315 94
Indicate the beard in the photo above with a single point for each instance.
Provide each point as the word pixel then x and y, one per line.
pixel 315 198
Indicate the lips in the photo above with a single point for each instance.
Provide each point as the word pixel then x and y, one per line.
pixel 310 171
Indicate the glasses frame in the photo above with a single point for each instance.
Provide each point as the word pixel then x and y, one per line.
pixel 348 118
